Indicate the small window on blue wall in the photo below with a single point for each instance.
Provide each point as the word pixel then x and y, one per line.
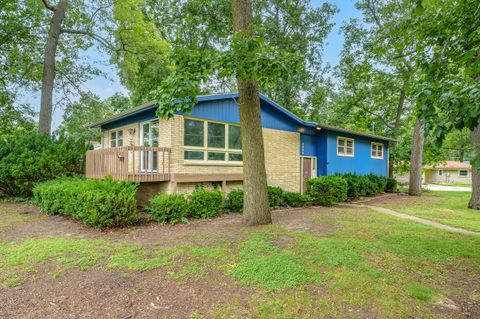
pixel 377 150
pixel 345 146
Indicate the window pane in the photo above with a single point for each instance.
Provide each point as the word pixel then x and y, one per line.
pixel 120 142
pixel 463 173
pixel 193 133
pixel 113 135
pixel 349 150
pixel 194 155
pixel 120 134
pixel 234 137
pixel 235 157
pixel 154 133
pixel 146 134
pixel 349 143
pixel 374 152
pixel 216 135
pixel 341 149
pixel 113 143
pixel 216 156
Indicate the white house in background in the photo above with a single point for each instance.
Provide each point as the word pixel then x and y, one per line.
pixel 448 172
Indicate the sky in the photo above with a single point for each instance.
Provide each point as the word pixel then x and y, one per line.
pixel 107 87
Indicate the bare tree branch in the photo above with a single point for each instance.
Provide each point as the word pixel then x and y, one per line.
pixel 48 5
pixel 104 42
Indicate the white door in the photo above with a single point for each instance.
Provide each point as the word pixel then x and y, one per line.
pixel 149 137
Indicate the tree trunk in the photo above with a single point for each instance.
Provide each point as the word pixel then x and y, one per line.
pixel 256 210
pixel 415 186
pixel 475 140
pixel 45 121
pixel 396 127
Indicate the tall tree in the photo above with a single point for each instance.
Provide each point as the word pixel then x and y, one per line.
pixel 255 208
pixel 77 21
pixel 447 40
pixel 416 159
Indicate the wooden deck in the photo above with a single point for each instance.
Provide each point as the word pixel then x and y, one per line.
pixel 134 163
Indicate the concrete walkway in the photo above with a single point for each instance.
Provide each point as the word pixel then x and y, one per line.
pixel 417 219
pixel 434 187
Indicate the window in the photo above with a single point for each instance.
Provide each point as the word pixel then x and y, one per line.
pixel 116 138
pixel 345 146
pixel 377 150
pixel 212 141
pixel 440 172
pixel 463 172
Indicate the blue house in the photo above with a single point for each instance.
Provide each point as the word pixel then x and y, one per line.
pixel 204 147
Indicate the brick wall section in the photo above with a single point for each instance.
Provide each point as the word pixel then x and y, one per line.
pixel 282 157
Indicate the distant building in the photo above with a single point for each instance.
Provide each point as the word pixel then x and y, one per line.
pixel 448 172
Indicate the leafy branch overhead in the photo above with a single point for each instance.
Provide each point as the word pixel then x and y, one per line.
pixel 247 57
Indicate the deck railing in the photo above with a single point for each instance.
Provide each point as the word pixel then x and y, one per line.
pixel 134 163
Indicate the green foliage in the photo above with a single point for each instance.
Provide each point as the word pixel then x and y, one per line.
pixel 234 201
pixel 204 203
pixel 420 292
pixel 356 186
pixel 88 110
pixel 98 203
pixel 391 185
pixel 168 208
pixel 327 190
pixel 292 199
pixel 29 158
pixel 276 196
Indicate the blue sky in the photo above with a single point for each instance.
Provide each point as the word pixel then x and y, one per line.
pixel 107 87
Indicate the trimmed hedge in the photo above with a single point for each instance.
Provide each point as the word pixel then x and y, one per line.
pixel 98 203
pixel 234 201
pixel 327 190
pixel 165 208
pixel 276 196
pixel 204 203
pixel 392 185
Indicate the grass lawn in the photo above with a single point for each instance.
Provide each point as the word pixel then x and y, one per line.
pixel 317 263
pixel 455 184
pixel 449 208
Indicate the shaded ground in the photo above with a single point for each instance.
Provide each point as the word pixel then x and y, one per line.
pixel 312 263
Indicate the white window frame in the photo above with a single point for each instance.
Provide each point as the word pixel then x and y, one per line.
pixel 205 149
pixel 376 144
pixel 150 154
pixel 440 172
pixel 345 146
pixel 116 139
pixel 463 175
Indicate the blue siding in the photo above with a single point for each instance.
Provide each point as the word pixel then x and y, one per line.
pixel 361 163
pixel 321 144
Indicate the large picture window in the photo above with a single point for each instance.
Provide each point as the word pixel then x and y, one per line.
pixel 212 141
pixel 345 146
pixel 116 138
pixel 377 150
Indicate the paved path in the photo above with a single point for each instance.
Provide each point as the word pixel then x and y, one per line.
pixel 417 219
pixel 447 188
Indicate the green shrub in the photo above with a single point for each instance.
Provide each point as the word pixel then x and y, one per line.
pixel 98 203
pixel 327 190
pixel 276 196
pixel 296 199
pixel 392 185
pixel 29 158
pixel 234 201
pixel 204 203
pixel 355 184
pixel 168 208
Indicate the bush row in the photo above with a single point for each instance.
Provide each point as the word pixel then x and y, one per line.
pixel 98 203
pixel 29 158
pixel 328 190
pixel 204 203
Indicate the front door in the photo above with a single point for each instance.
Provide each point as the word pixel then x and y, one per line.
pixel 149 137
pixel 308 171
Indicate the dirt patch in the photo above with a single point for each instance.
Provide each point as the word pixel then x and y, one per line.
pixel 113 294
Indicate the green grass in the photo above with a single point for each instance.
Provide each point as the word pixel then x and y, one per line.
pixel 449 208
pixel 455 184
pixel 371 265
